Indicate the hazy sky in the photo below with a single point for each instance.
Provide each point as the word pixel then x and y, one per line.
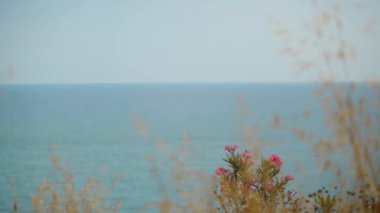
pixel 72 41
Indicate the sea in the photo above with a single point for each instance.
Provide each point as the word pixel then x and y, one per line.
pixel 125 135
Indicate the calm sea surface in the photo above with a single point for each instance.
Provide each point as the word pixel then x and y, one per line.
pixel 103 131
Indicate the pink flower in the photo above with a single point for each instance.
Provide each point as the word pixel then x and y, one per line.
pixel 221 170
pixel 246 154
pixel 275 159
pixel 233 147
pixel 288 177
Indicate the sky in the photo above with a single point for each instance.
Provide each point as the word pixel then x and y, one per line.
pixel 174 41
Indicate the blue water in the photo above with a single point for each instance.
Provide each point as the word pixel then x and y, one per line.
pixel 93 130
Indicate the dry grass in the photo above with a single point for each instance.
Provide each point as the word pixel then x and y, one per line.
pixel 350 117
pixel 58 194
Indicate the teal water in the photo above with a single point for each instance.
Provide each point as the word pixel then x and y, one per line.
pixel 93 130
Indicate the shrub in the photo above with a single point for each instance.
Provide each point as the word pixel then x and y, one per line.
pixel 246 187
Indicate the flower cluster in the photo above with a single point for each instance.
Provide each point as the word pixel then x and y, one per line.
pixel 288 177
pixel 238 162
pixel 231 148
pixel 275 160
pixel 221 170
pixel 246 155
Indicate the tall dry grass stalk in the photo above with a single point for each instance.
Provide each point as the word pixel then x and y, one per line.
pixel 58 194
pixel 353 118
pixel 185 189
